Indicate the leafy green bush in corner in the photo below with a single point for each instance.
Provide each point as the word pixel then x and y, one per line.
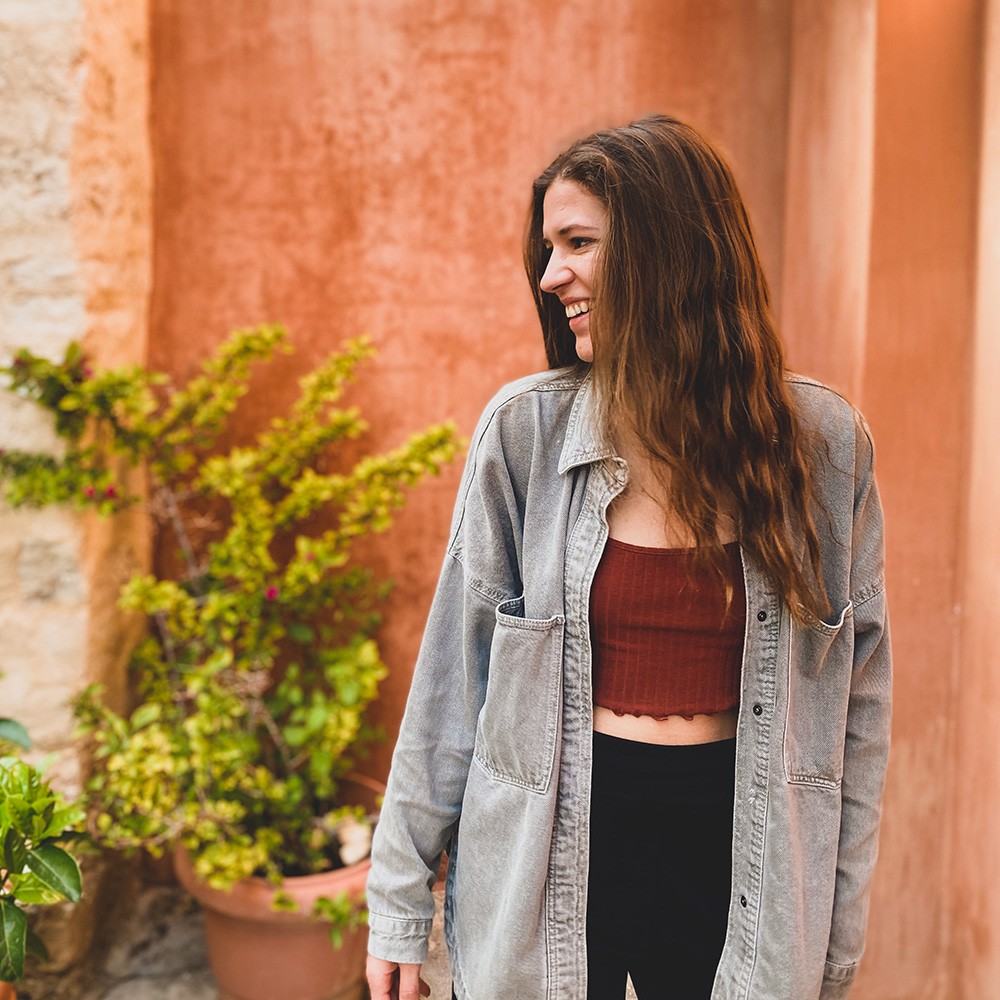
pixel 34 821
pixel 260 660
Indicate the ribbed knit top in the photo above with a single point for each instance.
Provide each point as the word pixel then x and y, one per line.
pixel 663 642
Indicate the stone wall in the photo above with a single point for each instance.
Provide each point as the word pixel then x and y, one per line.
pixel 74 265
pixel 43 591
pixel 75 183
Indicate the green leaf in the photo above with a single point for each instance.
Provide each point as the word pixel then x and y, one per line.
pixel 29 888
pixel 145 714
pixel 13 937
pixel 301 633
pixel 15 854
pixel 57 869
pixel 14 732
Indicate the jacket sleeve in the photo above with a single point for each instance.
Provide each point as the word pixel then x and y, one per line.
pixel 867 737
pixel 434 749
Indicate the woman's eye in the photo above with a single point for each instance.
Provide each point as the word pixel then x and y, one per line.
pixel 579 242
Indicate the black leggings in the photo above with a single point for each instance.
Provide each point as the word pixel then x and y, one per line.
pixel 661 833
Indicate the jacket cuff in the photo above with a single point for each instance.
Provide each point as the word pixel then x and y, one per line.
pixel 837 981
pixel 395 940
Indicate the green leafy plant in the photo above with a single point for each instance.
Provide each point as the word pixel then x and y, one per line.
pixel 35 821
pixel 260 661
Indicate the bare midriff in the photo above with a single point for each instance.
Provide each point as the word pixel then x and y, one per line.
pixel 674 729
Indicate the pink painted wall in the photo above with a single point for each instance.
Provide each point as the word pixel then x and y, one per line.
pixel 359 167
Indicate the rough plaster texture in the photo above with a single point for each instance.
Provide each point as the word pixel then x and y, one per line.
pixel 371 174
pixel 111 174
pixel 829 189
pixel 917 359
pixel 974 905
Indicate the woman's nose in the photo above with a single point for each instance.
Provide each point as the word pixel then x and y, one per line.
pixel 555 275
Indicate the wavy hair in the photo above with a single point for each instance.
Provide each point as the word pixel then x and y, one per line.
pixel 686 357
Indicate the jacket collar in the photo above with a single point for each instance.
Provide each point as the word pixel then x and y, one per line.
pixel 583 443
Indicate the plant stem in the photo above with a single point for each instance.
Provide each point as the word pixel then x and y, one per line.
pixel 180 530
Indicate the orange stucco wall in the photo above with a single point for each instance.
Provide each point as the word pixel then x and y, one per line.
pixel 915 391
pixel 344 173
pixel 111 212
pixel 973 910
pixel 358 167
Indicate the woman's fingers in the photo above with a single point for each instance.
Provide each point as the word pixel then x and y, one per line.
pixel 392 981
pixel 383 978
pixel 411 986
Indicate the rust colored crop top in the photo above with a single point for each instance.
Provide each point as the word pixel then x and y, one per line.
pixel 663 642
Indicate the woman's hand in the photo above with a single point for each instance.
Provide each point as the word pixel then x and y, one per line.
pixel 395 981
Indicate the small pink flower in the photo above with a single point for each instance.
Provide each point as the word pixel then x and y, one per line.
pixel 310 556
pixel 271 593
pixel 88 372
pixel 89 492
pixel 110 492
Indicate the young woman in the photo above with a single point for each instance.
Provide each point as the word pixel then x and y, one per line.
pixel 650 716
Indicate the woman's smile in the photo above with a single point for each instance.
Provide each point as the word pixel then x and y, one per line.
pixel 574 224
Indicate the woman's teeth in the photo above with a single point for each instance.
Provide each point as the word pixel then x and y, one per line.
pixel 577 309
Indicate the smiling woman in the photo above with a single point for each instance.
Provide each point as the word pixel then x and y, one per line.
pixel 575 221
pixel 652 699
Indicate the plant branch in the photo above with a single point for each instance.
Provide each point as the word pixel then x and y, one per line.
pixel 180 531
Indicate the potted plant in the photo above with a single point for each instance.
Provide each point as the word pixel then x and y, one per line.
pixel 35 824
pixel 261 660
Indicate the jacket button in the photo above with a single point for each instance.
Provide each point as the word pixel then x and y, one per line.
pixel 762 616
pixel 758 709
pixel 743 901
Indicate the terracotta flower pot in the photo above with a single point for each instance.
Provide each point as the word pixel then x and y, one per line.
pixel 257 953
pixel 7 991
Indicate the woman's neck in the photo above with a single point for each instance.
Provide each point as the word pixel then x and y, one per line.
pixel 644 512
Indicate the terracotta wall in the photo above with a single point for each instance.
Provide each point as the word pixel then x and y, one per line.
pixel 917 366
pixel 365 166
pixel 344 173
pixel 972 916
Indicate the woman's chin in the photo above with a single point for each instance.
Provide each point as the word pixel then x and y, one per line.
pixel 584 348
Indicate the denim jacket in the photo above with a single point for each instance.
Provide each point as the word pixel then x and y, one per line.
pixel 493 760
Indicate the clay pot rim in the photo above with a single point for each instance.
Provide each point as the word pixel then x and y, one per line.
pixel 253 897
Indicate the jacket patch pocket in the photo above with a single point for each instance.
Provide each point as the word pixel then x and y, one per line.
pixel 820 661
pixel 516 733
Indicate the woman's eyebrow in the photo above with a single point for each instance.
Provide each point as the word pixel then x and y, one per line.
pixel 570 226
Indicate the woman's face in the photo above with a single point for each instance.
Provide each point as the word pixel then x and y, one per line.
pixel 573 226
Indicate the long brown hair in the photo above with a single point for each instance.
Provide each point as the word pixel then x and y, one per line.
pixel 686 357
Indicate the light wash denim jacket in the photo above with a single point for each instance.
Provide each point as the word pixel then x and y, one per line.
pixel 493 761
